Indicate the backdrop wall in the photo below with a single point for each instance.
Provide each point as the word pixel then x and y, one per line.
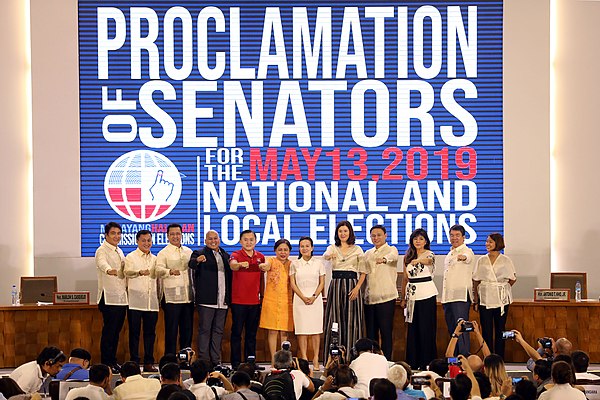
pixel 528 217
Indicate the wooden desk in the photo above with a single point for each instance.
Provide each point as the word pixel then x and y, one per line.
pixel 25 330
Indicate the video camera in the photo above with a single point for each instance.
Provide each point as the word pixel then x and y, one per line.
pixel 225 370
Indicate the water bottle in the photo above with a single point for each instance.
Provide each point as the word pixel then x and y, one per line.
pixel 14 295
pixel 578 291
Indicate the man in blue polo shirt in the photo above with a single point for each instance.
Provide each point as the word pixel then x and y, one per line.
pixel 77 367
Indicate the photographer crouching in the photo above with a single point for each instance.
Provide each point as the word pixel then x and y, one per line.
pixel 285 382
pixel 204 389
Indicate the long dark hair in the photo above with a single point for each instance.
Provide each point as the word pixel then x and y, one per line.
pixel 411 252
pixel 351 237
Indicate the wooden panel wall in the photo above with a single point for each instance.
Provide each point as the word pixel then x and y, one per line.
pixel 27 329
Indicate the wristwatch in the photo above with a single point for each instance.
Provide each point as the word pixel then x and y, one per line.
pixel 454 335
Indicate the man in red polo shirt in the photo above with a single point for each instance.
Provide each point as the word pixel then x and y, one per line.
pixel 245 296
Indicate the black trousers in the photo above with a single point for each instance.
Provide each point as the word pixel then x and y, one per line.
pixel 178 317
pixel 134 321
pixel 492 325
pixel 420 342
pixel 113 318
pixel 243 316
pixel 452 312
pixel 379 319
pixel 210 333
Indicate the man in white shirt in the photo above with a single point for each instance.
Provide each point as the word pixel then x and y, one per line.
pixel 30 376
pixel 283 363
pixel 99 387
pixel 381 292
pixel 112 293
pixel 200 370
pixel 368 365
pixel 458 285
pixel 140 270
pixel 135 386
pixel 176 294
pixel 345 380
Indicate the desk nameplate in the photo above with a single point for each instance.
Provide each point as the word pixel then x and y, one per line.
pixel 551 294
pixel 71 297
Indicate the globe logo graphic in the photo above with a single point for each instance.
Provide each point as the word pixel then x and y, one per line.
pixel 142 186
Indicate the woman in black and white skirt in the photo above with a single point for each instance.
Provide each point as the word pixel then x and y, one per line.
pixel 344 299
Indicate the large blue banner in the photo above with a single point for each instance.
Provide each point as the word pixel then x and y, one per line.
pixel 288 117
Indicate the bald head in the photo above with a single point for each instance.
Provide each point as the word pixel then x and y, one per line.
pixel 212 240
pixel 475 362
pixel 564 346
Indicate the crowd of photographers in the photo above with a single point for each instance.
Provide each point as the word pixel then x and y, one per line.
pixel 362 372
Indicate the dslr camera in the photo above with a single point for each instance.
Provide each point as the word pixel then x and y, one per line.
pixel 467 326
pixel 216 381
pixel 184 357
pixel 545 342
pixel 287 346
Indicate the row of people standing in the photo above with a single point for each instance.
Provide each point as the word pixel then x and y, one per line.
pixel 223 281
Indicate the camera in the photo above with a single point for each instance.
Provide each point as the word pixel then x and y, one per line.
pixel 226 371
pixel 545 342
pixel 516 380
pixel 453 361
pixel 184 356
pixel 508 335
pixel 251 360
pixel 286 346
pixel 335 340
pixel 467 326
pixel 419 380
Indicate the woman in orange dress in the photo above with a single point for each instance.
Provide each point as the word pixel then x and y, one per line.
pixel 276 314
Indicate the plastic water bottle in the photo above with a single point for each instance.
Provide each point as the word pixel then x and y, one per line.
pixel 578 291
pixel 14 295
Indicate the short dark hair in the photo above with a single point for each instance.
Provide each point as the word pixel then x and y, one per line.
pixel 458 228
pixel 167 358
pixel 170 371
pixel 363 344
pixel 581 361
pixel 282 241
pixel 344 375
pixel 182 395
pixel 130 368
pixel 167 390
pixel 543 369
pixel 384 390
pixel 378 227
pixel 141 233
pixel 81 353
pixel 246 231
pixel 240 379
pixel 485 385
pixel 526 389
pixel 351 237
pixel 311 244
pixel 498 241
pixel 248 369
pixel 460 387
pixel 562 372
pixel 111 225
pixel 199 370
pixel 174 226
pixel 439 366
pixel 98 373
pixel 303 365
pixel 51 355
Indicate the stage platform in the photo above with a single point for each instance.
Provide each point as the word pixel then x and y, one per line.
pixel 25 330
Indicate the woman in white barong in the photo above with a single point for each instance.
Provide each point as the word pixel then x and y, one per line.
pixel 493 278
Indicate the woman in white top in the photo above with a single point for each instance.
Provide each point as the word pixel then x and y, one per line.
pixel 344 300
pixel 492 281
pixel 563 377
pixel 307 278
pixel 381 292
pixel 419 298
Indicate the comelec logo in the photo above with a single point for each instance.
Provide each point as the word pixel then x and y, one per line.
pixel 142 186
